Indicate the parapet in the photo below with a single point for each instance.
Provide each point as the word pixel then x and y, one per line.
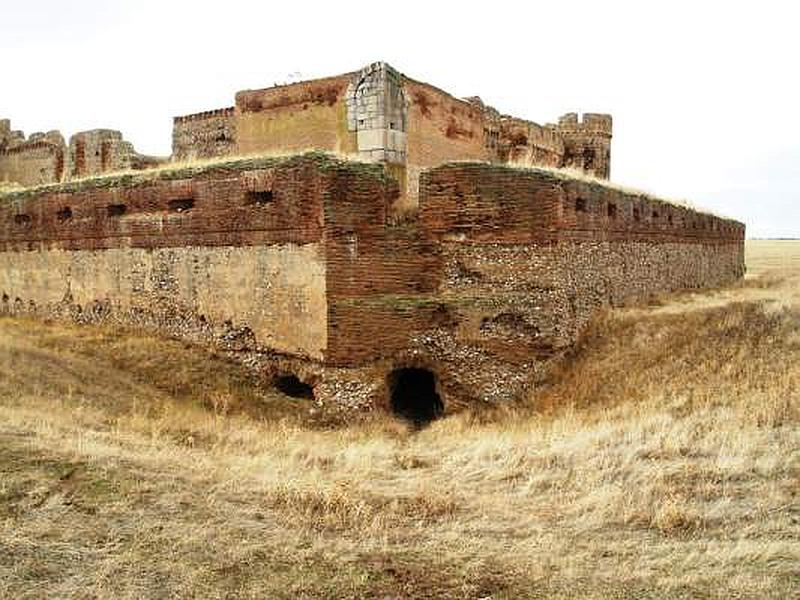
pixel 208 114
pixel 204 135
pixel 590 123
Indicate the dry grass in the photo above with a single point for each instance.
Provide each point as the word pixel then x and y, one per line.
pixel 661 462
pixel 573 174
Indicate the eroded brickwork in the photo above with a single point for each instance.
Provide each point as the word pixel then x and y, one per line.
pixel 296 265
pixel 204 135
pixel 379 114
pixel 44 158
pixel 501 270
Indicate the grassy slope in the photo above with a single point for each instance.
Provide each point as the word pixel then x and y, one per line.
pixel 662 462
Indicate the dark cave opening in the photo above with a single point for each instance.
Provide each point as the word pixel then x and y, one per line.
pixel 293 387
pixel 413 395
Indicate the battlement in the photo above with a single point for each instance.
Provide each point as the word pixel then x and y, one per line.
pixel 208 114
pixel 29 145
pixel 588 122
pixel 15 138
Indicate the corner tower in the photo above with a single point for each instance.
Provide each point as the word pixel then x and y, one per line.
pixel 587 143
pixel 377 111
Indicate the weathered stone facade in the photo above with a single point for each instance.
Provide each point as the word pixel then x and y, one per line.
pixel 297 265
pixel 45 158
pixel 382 115
pixel 204 135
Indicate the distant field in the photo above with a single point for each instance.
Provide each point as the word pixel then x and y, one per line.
pixel 775 255
pixel 661 461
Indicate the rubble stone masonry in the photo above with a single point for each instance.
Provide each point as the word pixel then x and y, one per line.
pixel 296 265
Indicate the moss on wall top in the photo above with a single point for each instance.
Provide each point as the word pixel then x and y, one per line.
pixel 571 176
pixel 173 171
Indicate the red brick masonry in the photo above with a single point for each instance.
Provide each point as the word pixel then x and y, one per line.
pixel 499 270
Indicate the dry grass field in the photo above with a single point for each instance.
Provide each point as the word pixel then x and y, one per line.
pixel 661 461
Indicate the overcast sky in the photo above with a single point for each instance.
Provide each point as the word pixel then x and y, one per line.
pixel 705 95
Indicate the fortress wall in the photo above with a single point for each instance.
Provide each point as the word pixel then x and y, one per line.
pixel 295 118
pixel 189 255
pixel 521 283
pixel 204 135
pixel 276 292
pixel 500 271
pixel 441 128
pixel 587 143
pixel 32 163
pixel 526 143
pixel 97 151
pixel 370 264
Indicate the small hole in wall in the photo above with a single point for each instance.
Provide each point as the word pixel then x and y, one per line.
pixel 655 214
pixel 181 204
pixel 65 214
pixel 116 210
pixel 580 205
pixel 22 220
pixel 261 198
pixel 637 215
pixel 413 395
pixel 669 219
pixel 293 387
pixel 612 211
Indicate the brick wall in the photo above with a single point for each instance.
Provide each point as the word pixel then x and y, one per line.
pixel 528 258
pixel 32 162
pixel 102 151
pixel 441 128
pixel 372 267
pixel 300 257
pixel 204 135
pixel 226 248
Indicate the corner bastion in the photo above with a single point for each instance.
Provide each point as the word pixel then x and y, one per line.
pixel 297 266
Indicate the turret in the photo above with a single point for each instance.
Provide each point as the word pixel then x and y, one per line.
pixel 5 133
pixel 587 143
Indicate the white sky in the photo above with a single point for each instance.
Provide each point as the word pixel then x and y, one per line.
pixel 705 95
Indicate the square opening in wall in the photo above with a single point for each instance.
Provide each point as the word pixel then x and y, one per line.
pixel 611 211
pixel 181 204
pixel 581 205
pixel 65 214
pixel 116 210
pixel 261 198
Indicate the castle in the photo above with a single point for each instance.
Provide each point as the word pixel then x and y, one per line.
pixel 446 266
pixel 375 114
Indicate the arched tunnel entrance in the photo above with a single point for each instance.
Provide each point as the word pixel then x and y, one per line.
pixel 413 395
pixel 292 386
